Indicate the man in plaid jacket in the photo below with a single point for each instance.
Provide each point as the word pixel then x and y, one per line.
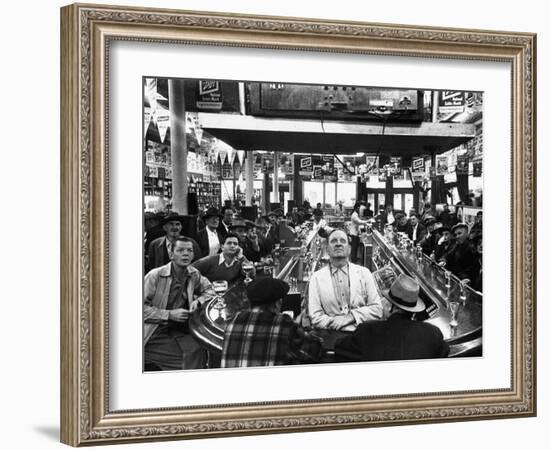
pixel 263 336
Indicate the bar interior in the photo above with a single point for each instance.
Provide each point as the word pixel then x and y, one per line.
pixel 264 174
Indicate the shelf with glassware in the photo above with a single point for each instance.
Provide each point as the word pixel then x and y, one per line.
pixel 157 187
pixel 453 306
pixel 208 193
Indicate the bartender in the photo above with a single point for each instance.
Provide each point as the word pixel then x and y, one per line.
pixel 354 231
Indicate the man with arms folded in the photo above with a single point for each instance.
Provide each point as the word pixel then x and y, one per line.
pixel 342 295
pixel 171 293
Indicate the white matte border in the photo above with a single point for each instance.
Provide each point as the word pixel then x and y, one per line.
pixel 132 389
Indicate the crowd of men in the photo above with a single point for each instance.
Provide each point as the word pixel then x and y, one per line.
pixel 342 296
pixel 451 243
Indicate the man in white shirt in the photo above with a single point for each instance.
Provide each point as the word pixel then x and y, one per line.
pixel 417 231
pixel 208 238
pixel 342 295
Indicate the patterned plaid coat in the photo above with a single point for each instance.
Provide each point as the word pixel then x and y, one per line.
pixel 264 338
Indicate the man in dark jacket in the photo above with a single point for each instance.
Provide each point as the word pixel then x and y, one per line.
pixel 416 231
pixel 429 241
pixel 209 239
pixel 158 251
pixel 461 259
pixel 227 220
pixel 398 338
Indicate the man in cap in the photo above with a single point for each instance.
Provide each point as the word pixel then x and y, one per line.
pixel 399 337
pixel 239 226
pixel 444 244
pixel 170 294
pixel 429 241
pixel 262 336
pixel 255 247
pixel 271 234
pixel 208 238
pixel 461 258
pixel 159 250
pixel 402 223
pixel 342 295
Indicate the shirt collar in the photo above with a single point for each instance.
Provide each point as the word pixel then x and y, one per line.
pixel 209 231
pixel 186 274
pixel 221 260
pixel 334 270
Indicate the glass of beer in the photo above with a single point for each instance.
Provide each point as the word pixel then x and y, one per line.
pixel 454 313
pixel 220 288
pixel 248 267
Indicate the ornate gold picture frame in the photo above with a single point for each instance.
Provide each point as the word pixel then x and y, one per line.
pixel 87 31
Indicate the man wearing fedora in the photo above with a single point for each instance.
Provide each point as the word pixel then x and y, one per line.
pixel 160 248
pixel 399 337
pixel 342 295
pixel 209 239
pixel 262 336
pixel 239 226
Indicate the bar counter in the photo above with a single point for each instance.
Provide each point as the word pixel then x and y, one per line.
pixel 439 289
pixel 386 258
pixel 289 263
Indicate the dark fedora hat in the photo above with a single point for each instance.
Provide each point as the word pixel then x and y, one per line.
pixel 172 217
pixel 265 290
pixel 429 220
pixel 257 224
pixel 239 223
pixel 211 212
pixel 459 225
pixel 440 228
pixel 403 293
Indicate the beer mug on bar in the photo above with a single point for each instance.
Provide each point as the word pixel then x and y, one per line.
pixel 248 267
pixel 454 314
pixel 220 288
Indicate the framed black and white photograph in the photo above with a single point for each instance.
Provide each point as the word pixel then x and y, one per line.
pixel 223 244
pixel 234 240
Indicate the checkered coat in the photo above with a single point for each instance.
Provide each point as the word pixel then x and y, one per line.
pixel 264 338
